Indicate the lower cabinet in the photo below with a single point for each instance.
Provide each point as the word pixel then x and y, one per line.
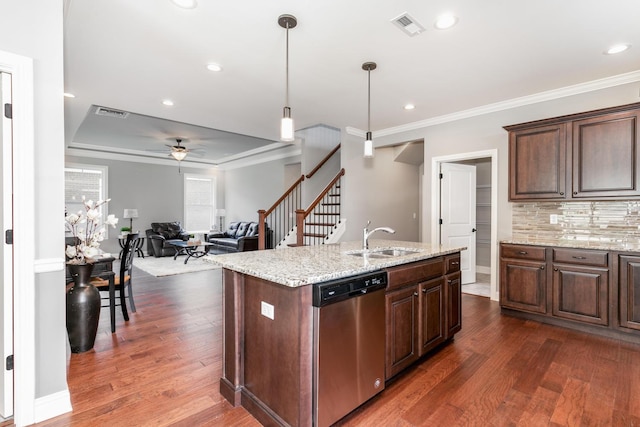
pixel 581 293
pixel 629 279
pixel 423 309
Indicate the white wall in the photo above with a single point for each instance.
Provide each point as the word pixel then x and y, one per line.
pixel 317 142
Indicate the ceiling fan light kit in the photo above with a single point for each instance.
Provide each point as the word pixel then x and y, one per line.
pixel 286 125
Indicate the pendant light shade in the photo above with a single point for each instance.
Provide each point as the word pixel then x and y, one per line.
pixel 286 126
pixel 368 143
pixel 179 155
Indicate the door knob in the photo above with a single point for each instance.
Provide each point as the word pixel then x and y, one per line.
pixel 473 230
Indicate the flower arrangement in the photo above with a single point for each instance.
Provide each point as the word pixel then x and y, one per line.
pixel 87 231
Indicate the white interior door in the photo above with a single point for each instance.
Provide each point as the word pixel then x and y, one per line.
pixel 6 252
pixel 458 214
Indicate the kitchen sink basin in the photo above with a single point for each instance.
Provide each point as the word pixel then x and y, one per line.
pixel 382 253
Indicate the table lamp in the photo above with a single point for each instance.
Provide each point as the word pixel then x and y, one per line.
pixel 130 213
pixel 221 213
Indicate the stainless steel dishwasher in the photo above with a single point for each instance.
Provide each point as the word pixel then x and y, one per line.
pixel 348 344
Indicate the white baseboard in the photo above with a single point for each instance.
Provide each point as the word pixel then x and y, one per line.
pixel 483 270
pixel 52 405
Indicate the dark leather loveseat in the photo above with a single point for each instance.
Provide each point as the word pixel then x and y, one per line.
pixel 160 236
pixel 240 236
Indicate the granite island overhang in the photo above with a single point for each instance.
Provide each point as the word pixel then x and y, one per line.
pixel 267 359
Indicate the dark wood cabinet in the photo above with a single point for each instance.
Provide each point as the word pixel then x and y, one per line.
pixel 423 309
pixel 523 278
pixel 629 289
pixel 581 293
pixel 402 346
pixel 587 156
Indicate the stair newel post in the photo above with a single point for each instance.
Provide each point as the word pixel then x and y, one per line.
pixel 300 213
pixel 262 229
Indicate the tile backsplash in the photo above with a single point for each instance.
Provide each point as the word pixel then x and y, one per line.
pixel 615 222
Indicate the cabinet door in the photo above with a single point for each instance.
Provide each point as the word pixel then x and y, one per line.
pixel 523 285
pixel 402 329
pixel 630 292
pixel 606 156
pixel 454 303
pixel 581 293
pixel 432 310
pixel 538 163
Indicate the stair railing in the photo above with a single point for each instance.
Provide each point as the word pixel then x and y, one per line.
pixel 323 161
pixel 324 212
pixel 279 217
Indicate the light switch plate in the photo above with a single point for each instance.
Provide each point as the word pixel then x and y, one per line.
pixel 553 219
pixel 267 310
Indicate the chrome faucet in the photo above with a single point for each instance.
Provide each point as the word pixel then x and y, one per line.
pixel 366 233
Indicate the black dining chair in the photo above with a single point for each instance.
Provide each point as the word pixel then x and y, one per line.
pixel 122 281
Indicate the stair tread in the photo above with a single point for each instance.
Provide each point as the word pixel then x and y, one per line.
pixel 313 235
pixel 321 224
pixel 322 213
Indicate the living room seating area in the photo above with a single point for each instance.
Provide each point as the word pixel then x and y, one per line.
pixel 161 235
pixel 240 236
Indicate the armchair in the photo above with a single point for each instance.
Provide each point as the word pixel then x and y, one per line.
pixel 160 236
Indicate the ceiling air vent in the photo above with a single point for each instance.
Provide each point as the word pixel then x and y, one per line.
pixel 407 24
pixel 110 112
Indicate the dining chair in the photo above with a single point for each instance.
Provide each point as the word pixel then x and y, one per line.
pixel 122 281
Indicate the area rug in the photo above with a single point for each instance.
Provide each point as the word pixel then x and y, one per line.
pixel 167 266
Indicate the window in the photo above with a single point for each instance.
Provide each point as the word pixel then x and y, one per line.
pixel 85 180
pixel 199 203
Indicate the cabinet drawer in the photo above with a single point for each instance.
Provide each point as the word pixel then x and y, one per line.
pixel 414 272
pixel 451 263
pixel 534 253
pixel 582 257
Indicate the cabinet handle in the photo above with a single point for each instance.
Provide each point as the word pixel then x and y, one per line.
pixel 523 252
pixel 579 257
pixel 449 281
pixel 415 294
pixel 424 290
pixel 562 193
pixel 542 267
pixel 455 262
pixel 555 269
pixel 575 193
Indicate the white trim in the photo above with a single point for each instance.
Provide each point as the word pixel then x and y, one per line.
pixel 52 405
pixel 213 221
pixel 21 69
pixel 549 95
pixel 435 204
pixel 48 265
pixel 104 170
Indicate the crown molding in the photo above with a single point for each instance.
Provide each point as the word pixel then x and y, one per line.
pixel 607 82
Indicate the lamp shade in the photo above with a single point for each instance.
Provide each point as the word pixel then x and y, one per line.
pixel 130 213
pixel 221 212
pixel 179 155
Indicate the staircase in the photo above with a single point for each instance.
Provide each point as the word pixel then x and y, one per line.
pixel 320 222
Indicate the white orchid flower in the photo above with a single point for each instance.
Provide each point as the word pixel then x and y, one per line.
pixel 111 220
pixel 71 252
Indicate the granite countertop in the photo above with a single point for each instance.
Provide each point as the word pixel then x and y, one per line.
pixel 299 266
pixel 630 246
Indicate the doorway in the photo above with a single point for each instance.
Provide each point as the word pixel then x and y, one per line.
pixel 486 212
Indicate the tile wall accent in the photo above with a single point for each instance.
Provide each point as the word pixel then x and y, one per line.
pixel 615 222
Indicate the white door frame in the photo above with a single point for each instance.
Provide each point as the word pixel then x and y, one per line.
pixel 21 70
pixel 435 204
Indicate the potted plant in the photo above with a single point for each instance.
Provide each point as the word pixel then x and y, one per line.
pixel 125 230
pixel 83 299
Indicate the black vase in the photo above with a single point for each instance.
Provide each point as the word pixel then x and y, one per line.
pixel 83 308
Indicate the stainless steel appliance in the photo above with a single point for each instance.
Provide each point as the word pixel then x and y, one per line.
pixel 349 340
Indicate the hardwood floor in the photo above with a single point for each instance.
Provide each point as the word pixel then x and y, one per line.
pixel 162 368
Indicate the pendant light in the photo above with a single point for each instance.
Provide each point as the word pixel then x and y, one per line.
pixel 286 126
pixel 368 142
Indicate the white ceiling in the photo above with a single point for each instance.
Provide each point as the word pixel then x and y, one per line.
pixel 131 55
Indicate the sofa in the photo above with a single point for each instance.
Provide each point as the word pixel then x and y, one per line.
pixel 160 236
pixel 240 236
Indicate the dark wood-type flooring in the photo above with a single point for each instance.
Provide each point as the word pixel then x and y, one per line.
pixel 162 368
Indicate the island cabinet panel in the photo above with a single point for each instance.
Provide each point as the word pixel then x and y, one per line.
pixel 581 293
pixel 453 291
pixel 538 156
pixel 402 348
pixel 587 156
pixel 629 279
pixel 432 314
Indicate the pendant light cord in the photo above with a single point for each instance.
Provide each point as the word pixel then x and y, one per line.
pixel 286 101
pixel 369 100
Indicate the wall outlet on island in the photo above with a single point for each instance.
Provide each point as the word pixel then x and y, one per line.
pixel 267 310
pixel 553 219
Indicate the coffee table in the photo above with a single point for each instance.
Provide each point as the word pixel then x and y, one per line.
pixel 191 249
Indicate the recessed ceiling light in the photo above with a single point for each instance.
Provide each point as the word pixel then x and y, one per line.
pixel 185 4
pixel 168 102
pixel 445 21
pixel 69 95
pixel 409 107
pixel 617 49
pixel 214 67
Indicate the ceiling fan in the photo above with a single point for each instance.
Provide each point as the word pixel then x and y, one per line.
pixel 178 152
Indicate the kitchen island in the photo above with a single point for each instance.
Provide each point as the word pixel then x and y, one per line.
pixel 268 314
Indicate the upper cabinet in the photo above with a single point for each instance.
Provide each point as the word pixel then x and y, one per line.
pixel 587 156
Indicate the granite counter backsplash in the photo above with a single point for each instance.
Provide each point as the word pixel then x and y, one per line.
pixel 608 225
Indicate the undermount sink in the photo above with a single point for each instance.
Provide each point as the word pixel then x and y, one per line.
pixel 382 253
